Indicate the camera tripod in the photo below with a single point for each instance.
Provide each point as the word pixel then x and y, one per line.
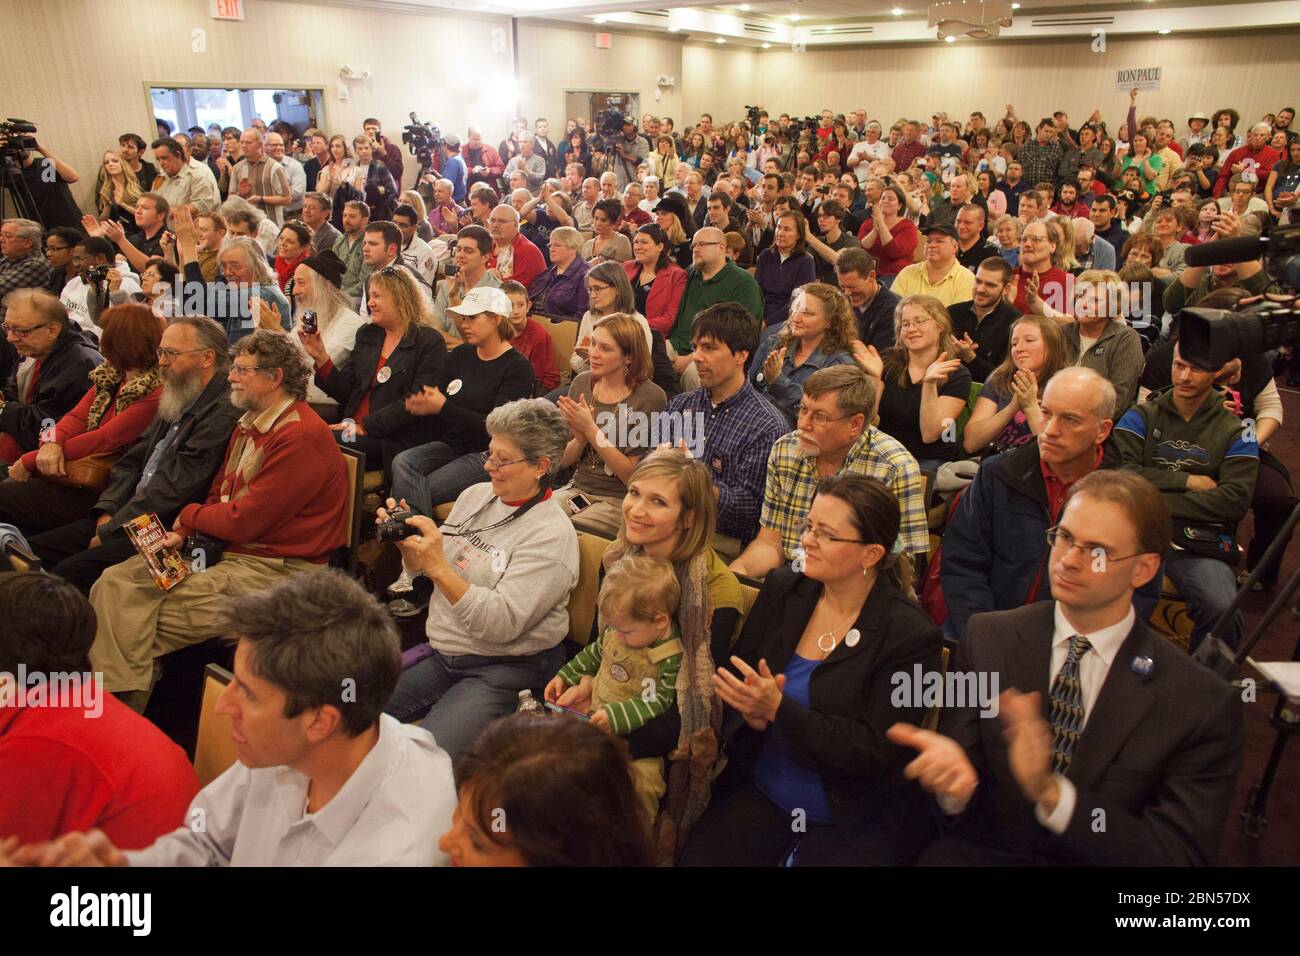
pixel 1221 659
pixel 13 185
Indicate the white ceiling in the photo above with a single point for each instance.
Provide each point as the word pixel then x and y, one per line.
pixel 834 22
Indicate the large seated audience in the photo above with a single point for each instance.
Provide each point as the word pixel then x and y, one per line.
pixel 793 408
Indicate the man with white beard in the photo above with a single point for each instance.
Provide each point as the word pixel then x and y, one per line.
pixel 316 288
pixel 170 466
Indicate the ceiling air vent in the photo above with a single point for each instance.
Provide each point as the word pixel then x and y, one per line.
pixel 1072 21
pixel 841 31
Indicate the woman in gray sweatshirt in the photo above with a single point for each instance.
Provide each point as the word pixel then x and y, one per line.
pixel 502 566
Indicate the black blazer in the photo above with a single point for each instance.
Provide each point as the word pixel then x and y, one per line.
pixel 185 472
pixel 381 193
pixel 1156 763
pixel 415 362
pixel 62 384
pixel 842 734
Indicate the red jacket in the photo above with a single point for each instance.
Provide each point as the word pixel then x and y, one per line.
pixel 528 264
pixel 68 768
pixel 114 432
pixel 534 343
pixel 1077 211
pixel 489 159
pixel 1264 158
pixel 897 255
pixel 285 497
pixel 665 294
pixel 391 156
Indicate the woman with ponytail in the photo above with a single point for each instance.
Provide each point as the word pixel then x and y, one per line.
pixel 809 691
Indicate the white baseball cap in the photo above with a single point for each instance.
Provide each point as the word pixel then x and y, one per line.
pixel 483 299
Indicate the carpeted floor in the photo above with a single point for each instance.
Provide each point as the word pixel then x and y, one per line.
pixel 1279 844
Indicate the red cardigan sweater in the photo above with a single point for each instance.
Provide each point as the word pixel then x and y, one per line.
pixel 893 258
pixel 665 294
pixel 115 430
pixel 284 497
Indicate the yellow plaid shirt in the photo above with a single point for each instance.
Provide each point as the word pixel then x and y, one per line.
pixel 792 481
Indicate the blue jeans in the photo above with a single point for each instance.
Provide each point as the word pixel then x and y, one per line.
pixel 1208 585
pixel 464 694
pixel 433 474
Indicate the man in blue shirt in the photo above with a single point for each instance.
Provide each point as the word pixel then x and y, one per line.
pixel 453 167
pixel 726 423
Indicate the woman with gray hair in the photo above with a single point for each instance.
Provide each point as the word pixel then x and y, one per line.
pixel 249 297
pixel 561 291
pixel 245 219
pixel 502 566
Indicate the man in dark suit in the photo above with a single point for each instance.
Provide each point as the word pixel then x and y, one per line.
pixel 170 466
pixel 1113 747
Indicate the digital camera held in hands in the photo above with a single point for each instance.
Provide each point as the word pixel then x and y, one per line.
pixel 309 322
pixel 396 528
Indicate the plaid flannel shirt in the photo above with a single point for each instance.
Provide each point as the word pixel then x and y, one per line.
pixel 738 435
pixel 792 480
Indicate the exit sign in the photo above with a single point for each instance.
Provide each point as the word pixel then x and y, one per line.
pixel 604 41
pixel 226 9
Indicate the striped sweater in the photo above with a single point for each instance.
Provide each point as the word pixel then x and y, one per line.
pixel 628 703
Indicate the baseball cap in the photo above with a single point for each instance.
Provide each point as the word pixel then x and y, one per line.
pixel 451 139
pixel 483 299
pixel 947 228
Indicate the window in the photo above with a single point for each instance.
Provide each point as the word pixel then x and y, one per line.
pixel 184 107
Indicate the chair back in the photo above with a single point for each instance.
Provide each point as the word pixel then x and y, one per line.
pixel 214 752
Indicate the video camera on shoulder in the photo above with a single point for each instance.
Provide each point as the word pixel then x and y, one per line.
pixel 1213 337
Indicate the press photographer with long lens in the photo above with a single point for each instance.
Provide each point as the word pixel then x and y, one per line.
pixel 27 165
pixel 627 152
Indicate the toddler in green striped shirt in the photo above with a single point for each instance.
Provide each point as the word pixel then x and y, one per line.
pixel 628 674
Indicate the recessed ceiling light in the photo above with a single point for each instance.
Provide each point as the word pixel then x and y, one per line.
pixel 794 18
pixel 897 11
pixel 1165 31
pixel 720 40
pixel 1015 6
pixel 673 29
pixel 767 46
pixel 599 20
pixel 949 39
pixel 745 8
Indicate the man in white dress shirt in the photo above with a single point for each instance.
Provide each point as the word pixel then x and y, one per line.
pixel 1112 747
pixel 324 777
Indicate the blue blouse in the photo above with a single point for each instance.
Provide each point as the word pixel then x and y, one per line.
pixel 788 784
pixel 786 389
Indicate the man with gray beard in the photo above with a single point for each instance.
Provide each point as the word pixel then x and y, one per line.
pixel 170 466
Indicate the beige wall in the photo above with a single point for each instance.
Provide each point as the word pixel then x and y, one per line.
pixel 1252 72
pixel 78 68
pixel 554 58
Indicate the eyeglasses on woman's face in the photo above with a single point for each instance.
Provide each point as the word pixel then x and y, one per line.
pixel 821 535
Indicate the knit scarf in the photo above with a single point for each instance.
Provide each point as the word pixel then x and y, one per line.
pixel 105 379
pixel 691 762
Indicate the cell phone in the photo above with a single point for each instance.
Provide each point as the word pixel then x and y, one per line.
pixel 309 322
pixel 567 710
pixel 579 502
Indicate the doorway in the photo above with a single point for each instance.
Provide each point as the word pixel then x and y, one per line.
pixel 590 104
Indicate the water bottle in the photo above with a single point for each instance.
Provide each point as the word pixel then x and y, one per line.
pixel 528 704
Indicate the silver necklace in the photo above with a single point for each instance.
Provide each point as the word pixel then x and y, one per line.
pixel 831 634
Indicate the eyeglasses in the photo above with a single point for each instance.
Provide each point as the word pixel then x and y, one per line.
pixel 818 418
pixel 172 354
pixel 240 371
pixel 1059 537
pixel 819 535
pixel 22 333
pixel 496 464
pixel 701 245
pixel 51 247
pixel 915 323
pixel 593 288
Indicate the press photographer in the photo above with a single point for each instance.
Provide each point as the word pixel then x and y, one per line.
pixel 45 182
